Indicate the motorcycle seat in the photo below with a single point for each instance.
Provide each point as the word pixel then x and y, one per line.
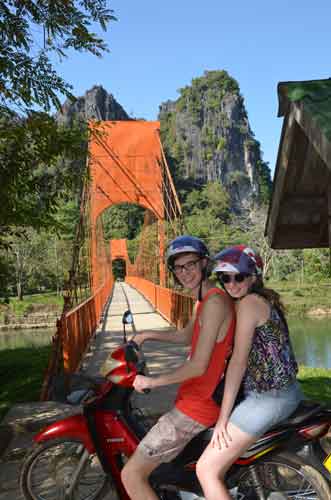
pixel 305 410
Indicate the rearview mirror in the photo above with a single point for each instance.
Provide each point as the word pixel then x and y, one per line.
pixel 127 318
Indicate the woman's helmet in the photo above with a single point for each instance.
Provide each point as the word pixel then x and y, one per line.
pixel 185 244
pixel 238 259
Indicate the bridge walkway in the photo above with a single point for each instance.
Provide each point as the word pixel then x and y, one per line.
pixel 24 420
pixel 161 357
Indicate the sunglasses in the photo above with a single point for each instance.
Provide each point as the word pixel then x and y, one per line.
pixel 233 278
pixel 189 266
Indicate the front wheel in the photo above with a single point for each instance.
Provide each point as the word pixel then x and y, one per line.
pixel 62 469
pixel 282 476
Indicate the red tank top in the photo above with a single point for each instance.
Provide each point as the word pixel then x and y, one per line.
pixel 194 397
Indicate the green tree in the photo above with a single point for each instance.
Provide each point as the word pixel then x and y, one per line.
pixel 35 172
pixel 26 253
pixel 32 145
pixel 123 221
pixel 207 216
pixel 35 262
pixel 212 198
pixel 30 33
pixel 316 264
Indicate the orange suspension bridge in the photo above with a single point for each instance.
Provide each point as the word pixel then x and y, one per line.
pixel 126 164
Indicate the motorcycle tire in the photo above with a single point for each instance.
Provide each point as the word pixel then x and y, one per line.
pixel 48 469
pixel 286 475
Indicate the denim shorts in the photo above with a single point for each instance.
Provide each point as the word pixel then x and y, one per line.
pixel 260 411
pixel 169 436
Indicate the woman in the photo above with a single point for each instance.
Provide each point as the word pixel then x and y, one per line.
pixel 262 359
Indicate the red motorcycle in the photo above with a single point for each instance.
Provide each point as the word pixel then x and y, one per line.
pixel 81 457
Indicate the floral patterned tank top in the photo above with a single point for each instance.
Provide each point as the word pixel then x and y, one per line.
pixel 271 361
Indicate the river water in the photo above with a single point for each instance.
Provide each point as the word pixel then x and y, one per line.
pixel 12 339
pixel 311 340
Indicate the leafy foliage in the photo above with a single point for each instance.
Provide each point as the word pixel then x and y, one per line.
pixel 207 215
pixel 36 171
pixel 36 262
pixel 123 221
pixel 216 83
pixel 265 183
pixel 213 199
pixel 35 153
pixel 42 165
pixel 206 135
pixel 30 32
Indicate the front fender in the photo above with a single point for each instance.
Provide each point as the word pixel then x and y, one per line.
pixel 71 427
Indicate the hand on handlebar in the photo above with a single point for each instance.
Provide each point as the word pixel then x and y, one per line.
pixel 142 383
pixel 139 338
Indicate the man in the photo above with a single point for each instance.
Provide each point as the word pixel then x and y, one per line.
pixel 210 335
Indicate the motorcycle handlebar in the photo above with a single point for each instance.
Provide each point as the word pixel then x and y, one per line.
pixel 145 369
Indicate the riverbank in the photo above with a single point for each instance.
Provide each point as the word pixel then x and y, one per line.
pixel 33 312
pixel 308 299
pixel 318 312
pixel 42 310
pixel 27 323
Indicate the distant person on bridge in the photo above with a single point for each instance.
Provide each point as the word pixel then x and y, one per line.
pixel 210 334
pixel 262 358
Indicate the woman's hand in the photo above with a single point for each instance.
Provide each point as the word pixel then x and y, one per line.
pixel 221 438
pixel 141 382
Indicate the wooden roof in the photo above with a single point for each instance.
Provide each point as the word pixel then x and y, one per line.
pixel 300 208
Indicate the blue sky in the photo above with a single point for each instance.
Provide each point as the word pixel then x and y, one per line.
pixel 158 47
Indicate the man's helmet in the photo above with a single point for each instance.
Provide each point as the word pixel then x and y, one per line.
pixel 238 259
pixel 185 244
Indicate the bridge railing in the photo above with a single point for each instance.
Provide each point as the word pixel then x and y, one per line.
pixel 176 307
pixel 75 328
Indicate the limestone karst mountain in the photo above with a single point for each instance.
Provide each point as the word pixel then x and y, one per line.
pixel 207 137
pixel 205 133
pixel 96 103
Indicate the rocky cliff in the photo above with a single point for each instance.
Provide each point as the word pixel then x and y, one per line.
pixel 95 104
pixel 205 134
pixel 207 137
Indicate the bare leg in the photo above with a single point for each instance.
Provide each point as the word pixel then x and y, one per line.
pixel 214 463
pixel 135 474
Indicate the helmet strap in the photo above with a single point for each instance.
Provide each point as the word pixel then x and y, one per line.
pixel 200 291
pixel 203 278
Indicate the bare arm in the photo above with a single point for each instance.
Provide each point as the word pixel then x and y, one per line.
pixel 211 319
pixel 248 317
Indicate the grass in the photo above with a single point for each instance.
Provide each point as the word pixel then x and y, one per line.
pixel 315 383
pixel 26 367
pixel 302 297
pixel 298 298
pixel 41 302
pixel 46 299
pixel 21 375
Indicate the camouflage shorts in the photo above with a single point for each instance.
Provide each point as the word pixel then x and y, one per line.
pixel 169 436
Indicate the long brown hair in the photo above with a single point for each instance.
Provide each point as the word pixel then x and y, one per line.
pixel 268 293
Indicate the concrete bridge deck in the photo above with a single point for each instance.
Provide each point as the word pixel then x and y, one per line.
pixel 24 420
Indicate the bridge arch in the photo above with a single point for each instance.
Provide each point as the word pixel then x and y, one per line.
pixel 127 165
